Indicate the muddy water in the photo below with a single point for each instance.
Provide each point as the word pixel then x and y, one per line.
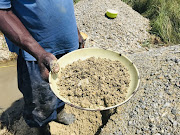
pixel 8 85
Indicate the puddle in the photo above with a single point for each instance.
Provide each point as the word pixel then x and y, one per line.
pixel 8 85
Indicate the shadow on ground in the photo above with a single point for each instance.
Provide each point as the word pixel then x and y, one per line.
pixel 11 114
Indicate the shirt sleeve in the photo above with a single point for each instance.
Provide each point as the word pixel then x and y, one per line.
pixel 5 4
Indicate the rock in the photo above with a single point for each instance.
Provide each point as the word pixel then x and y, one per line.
pixel 164 114
pixel 167 104
pixel 175 123
pixel 157 134
pixel 130 123
pixel 177 84
pixel 173 111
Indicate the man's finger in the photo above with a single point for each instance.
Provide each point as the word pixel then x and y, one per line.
pixel 44 73
pixel 54 66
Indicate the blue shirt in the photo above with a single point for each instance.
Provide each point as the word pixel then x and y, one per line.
pixel 52 24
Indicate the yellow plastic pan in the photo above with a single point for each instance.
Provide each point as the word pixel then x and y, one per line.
pixel 101 53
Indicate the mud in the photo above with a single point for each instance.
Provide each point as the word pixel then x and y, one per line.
pixel 8 84
pixel 94 82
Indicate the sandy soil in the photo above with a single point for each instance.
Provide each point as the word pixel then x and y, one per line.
pixel 153 110
pixel 94 83
pixel 86 123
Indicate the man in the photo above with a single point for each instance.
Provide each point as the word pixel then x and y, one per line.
pixel 39 31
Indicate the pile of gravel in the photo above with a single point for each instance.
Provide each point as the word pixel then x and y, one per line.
pixel 5 54
pixel 155 109
pixel 123 33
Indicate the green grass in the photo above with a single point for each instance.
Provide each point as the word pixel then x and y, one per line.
pixel 76 1
pixel 164 17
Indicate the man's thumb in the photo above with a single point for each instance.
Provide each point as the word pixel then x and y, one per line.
pixel 54 66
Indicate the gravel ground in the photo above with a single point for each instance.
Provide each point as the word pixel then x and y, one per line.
pixel 5 54
pixel 3 49
pixel 155 109
pixel 124 33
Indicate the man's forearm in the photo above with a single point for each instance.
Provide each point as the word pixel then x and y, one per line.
pixel 15 31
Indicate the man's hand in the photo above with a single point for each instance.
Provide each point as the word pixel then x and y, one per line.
pixel 47 62
pixel 81 40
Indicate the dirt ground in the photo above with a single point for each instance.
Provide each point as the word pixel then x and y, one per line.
pixel 94 83
pixel 87 122
pixel 145 113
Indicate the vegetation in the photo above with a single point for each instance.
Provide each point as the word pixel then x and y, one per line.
pixel 75 1
pixel 164 17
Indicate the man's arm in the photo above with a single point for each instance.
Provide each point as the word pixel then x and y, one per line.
pixel 15 31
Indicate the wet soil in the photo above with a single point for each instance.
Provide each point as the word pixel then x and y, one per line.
pixel 8 84
pixel 94 82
